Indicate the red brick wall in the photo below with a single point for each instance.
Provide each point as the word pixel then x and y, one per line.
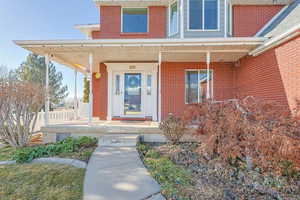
pixel 273 75
pixel 111 23
pixel 173 84
pixel 248 20
pixel 100 94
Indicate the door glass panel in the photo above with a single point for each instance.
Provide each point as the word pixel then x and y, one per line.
pixel 117 84
pixel 149 84
pixel 132 95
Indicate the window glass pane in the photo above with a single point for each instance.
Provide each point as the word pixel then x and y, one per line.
pixel 149 84
pixel 135 20
pixel 195 10
pixel 203 84
pixel 191 86
pixel 211 14
pixel 173 18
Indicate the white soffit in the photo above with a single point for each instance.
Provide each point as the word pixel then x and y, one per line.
pixel 74 53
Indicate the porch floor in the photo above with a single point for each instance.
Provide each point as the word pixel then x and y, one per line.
pixel 98 127
pixel 84 122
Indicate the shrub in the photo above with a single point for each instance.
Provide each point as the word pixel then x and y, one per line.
pixel 258 132
pixel 173 128
pixel 20 102
pixel 68 145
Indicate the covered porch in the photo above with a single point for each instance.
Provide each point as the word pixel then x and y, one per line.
pixel 129 76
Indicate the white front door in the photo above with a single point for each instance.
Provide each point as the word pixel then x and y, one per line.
pixel 133 92
pixel 128 94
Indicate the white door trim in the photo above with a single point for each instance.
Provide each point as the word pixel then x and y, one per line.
pixel 144 68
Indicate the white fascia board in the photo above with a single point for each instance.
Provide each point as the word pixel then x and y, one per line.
pixel 260 2
pixel 275 41
pixel 136 3
pixel 271 21
pixel 87 29
pixel 143 42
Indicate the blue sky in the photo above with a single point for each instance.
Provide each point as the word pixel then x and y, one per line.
pixel 42 20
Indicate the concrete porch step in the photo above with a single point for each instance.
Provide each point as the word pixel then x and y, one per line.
pixel 118 140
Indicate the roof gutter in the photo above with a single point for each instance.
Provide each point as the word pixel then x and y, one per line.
pixel 275 41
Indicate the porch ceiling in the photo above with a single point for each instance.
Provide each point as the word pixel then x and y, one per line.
pixel 75 53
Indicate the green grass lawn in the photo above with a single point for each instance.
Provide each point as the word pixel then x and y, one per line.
pixel 41 181
pixel 6 153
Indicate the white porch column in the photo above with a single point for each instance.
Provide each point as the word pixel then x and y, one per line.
pixel 47 99
pixel 91 88
pixel 75 95
pixel 159 87
pixel 208 75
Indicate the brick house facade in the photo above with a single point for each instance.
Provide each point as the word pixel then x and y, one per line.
pixel 148 59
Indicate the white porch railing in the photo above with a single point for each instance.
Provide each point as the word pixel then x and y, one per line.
pixel 62 116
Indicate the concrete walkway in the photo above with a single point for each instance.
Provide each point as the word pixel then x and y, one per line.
pixel 115 172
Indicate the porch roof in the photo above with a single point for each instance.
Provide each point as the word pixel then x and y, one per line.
pixel 75 53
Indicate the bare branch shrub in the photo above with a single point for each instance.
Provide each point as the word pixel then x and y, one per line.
pixel 173 128
pixel 263 131
pixel 20 102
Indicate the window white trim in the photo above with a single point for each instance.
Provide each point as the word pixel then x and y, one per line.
pixel 226 18
pixel 211 85
pixel 203 16
pixel 177 16
pixel 230 20
pixel 122 32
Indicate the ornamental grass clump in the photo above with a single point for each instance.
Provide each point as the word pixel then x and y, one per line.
pixel 259 133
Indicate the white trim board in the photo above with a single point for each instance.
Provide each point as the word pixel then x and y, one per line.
pixel 169 18
pixel 122 32
pixel 145 68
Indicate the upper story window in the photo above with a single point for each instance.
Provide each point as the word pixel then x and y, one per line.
pixel 134 20
pixel 203 14
pixel 173 18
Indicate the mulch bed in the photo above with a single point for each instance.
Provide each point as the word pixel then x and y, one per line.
pixel 214 180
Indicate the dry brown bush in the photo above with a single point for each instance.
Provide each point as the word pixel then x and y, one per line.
pixel 20 102
pixel 263 133
pixel 173 128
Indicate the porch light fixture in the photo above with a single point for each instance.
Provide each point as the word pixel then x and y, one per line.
pixel 97 75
